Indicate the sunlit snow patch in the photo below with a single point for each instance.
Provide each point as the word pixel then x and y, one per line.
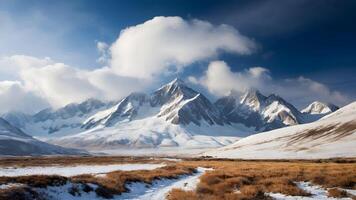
pixel 75 170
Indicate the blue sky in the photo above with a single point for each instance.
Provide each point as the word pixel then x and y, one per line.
pixel 310 39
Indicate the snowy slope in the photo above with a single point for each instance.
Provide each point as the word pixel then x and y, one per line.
pixel 52 123
pixel 14 142
pixel 332 136
pixel 253 109
pixel 172 116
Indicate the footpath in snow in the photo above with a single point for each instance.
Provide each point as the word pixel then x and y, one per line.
pixel 158 190
pixel 75 170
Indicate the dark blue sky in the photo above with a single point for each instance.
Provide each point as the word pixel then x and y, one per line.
pixel 315 39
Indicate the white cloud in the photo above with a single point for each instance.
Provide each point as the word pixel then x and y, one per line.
pixel 219 80
pixel 141 55
pixel 59 83
pixel 10 66
pixel 168 44
pixel 43 82
pixel 14 97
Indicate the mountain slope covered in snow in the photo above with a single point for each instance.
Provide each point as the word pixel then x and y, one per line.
pixel 172 116
pixel 14 142
pixel 53 123
pixel 258 111
pixel 332 136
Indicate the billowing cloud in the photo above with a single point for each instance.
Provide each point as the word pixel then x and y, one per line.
pixel 14 97
pixel 168 44
pixel 10 66
pixel 43 82
pixel 220 80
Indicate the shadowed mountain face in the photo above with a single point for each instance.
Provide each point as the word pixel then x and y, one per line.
pixel 256 110
pixel 14 142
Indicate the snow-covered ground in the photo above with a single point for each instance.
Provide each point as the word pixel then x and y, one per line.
pixel 75 170
pixel 138 191
pixel 332 136
pixel 160 188
pixel 316 192
pixel 10 185
pixel 151 132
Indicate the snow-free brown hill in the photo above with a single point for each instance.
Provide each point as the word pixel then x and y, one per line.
pixel 332 136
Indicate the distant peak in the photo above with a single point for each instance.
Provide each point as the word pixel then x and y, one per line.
pixel 323 104
pixel 252 93
pixel 318 107
pixel 175 84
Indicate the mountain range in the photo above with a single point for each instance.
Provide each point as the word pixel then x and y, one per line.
pixel 174 115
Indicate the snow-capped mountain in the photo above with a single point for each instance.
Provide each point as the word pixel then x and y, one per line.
pixel 176 102
pixel 253 109
pixel 172 116
pixel 14 142
pixel 332 136
pixel 318 107
pixel 183 105
pixel 317 110
pixel 63 121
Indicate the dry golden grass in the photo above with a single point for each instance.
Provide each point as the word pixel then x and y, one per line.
pixel 229 180
pixel 251 180
pixel 337 193
pixel 112 184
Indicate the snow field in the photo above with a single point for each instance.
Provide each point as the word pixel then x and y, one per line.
pixel 75 170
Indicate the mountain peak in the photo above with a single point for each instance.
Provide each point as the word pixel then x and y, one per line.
pixel 318 107
pixel 172 90
pixel 175 83
pixel 253 98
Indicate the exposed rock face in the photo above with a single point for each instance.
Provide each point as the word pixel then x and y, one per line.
pixel 256 110
pixel 175 102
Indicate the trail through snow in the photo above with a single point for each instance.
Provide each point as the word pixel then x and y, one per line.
pixel 158 190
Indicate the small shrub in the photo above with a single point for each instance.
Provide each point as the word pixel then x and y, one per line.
pixel 337 193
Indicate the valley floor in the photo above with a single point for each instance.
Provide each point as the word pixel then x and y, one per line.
pixel 172 178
